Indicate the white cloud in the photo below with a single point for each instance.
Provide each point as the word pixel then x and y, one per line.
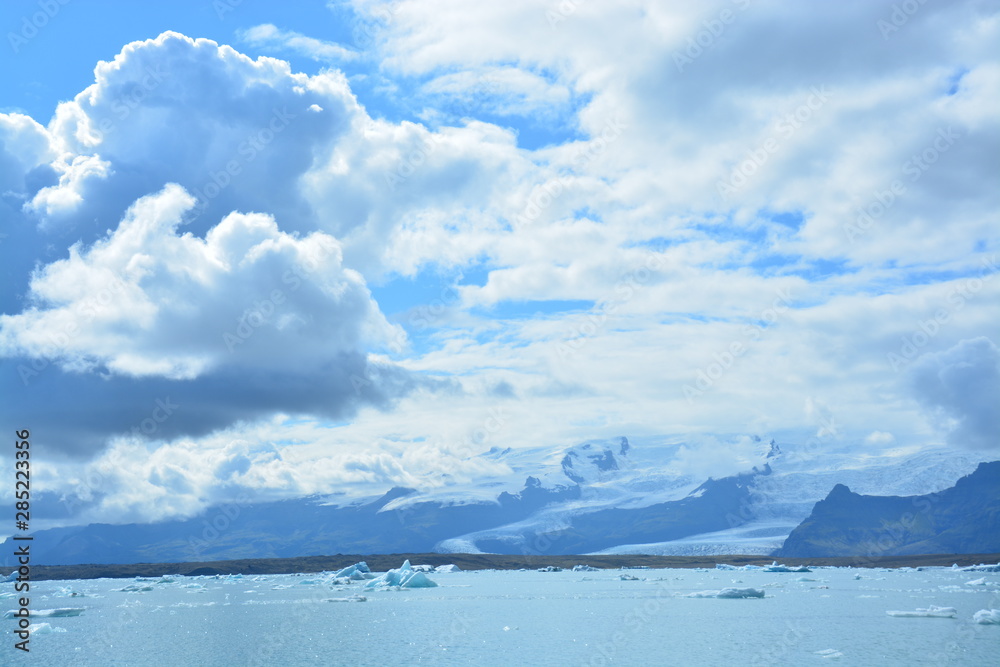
pixel 268 35
pixel 245 295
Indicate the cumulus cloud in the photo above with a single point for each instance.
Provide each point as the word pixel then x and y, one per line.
pixel 961 389
pixel 177 306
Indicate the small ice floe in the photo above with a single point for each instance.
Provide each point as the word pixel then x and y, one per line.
pixel 585 568
pixel 404 577
pixel 930 612
pixel 44 629
pixel 830 653
pixel 980 582
pixel 627 577
pixel 725 566
pixel 987 617
pixel 49 613
pixel 70 593
pixel 135 588
pixel 775 567
pixel 450 567
pixel 550 568
pixel 350 598
pixel 728 593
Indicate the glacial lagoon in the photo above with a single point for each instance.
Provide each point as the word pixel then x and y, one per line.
pixel 829 616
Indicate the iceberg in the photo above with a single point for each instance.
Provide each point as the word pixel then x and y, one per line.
pixel 44 629
pixel 351 598
pixel 972 568
pixel 357 572
pixel 987 617
pixel 728 593
pixel 450 567
pixel 404 577
pixel 930 612
pixel 49 613
pixel 550 568
pixel 774 567
pixel 980 582
pixel 585 568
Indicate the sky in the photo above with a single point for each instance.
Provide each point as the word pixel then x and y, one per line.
pixel 272 250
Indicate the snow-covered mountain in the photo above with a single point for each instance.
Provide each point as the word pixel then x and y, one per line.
pixel 651 496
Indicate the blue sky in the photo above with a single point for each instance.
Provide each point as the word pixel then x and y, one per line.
pixel 339 238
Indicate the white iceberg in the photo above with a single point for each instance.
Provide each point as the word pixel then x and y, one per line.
pixel 930 612
pixel 987 617
pixel 352 598
pixel 585 568
pixel 49 613
pixel 980 582
pixel 404 577
pixel 135 588
pixel 44 629
pixel 728 593
pixel 450 567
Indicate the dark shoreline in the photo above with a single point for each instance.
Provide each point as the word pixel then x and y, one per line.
pixel 383 562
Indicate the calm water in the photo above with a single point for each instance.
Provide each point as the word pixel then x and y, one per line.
pixel 518 618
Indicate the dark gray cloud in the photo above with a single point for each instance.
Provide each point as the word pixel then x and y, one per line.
pixel 961 389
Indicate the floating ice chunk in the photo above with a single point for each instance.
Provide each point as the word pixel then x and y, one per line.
pixel 728 593
pixel 627 577
pixel 830 653
pixel 775 567
pixel 49 613
pixel 135 588
pixel 585 568
pixel 931 612
pixel 725 566
pixel 987 617
pixel 357 572
pixel 980 582
pixel 423 568
pixel 11 577
pixel 404 577
pixel 450 567
pixel 977 568
pixel 44 629
pixel 550 568
pixel 351 598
